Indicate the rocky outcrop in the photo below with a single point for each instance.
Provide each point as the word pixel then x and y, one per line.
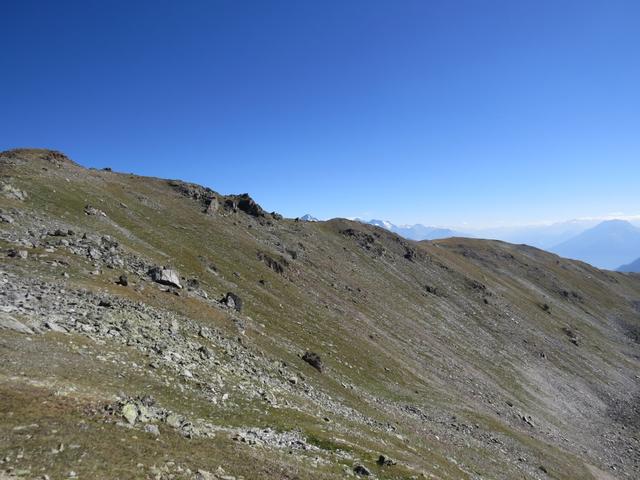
pixel 22 155
pixel 244 203
pixel 278 266
pixel 212 203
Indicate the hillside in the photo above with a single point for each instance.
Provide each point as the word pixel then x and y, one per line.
pixel 607 245
pixel 153 328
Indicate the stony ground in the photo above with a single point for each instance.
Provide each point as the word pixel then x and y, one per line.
pixel 156 329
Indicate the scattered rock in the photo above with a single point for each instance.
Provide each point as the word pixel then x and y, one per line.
pixel 573 336
pixel 232 300
pixel 204 475
pixel 89 210
pixel 54 327
pixel 361 470
pixel 430 289
pixel 205 352
pixel 22 254
pixel 6 218
pixel 152 429
pixel 314 360
pixel 385 461
pixel 528 420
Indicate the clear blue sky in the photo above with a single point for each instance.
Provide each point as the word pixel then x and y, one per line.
pixel 440 112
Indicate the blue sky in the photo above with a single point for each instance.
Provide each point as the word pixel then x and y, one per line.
pixel 447 112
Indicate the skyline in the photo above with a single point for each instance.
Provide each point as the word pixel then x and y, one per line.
pixel 446 114
pixel 632 218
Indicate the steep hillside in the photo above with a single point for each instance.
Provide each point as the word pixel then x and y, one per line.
pixel 607 245
pixel 155 329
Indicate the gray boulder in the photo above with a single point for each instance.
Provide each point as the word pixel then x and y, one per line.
pixel 232 300
pixel 6 218
pixel 165 276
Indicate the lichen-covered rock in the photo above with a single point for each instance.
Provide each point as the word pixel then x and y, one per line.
pixel 130 413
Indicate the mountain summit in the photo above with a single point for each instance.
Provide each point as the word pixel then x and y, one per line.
pixel 155 328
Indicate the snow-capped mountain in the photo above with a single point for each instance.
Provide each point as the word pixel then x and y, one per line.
pixel 309 218
pixel 379 223
pixel 414 232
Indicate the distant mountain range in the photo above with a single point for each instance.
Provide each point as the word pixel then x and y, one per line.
pixel 412 232
pixel 607 245
pixel 631 267
pixel 417 231
pixel 541 236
